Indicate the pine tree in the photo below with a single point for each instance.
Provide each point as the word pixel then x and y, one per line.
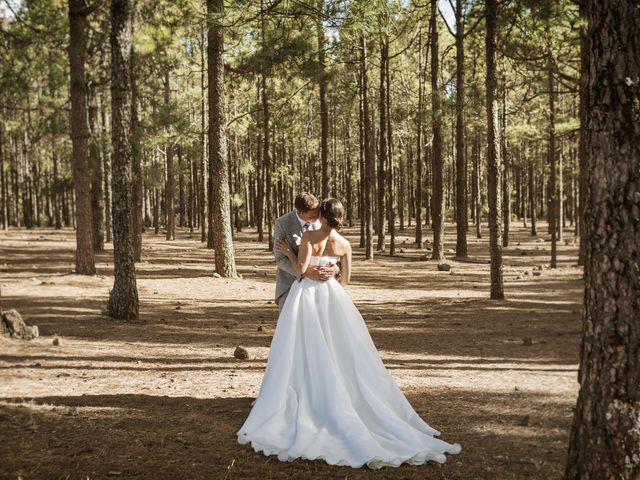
pixel 123 299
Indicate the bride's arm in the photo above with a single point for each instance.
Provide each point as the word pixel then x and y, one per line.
pixel 301 262
pixel 345 267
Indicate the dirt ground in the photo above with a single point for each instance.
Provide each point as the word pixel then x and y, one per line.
pixel 163 398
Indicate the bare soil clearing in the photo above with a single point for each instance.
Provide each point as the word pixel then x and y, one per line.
pixel 163 398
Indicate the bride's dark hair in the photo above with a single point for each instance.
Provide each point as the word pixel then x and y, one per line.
pixel 332 210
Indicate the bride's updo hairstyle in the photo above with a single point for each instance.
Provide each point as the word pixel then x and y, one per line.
pixel 333 211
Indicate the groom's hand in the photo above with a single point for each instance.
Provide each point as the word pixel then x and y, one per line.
pixel 332 270
pixel 319 274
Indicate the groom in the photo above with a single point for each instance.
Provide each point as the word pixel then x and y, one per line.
pixel 290 227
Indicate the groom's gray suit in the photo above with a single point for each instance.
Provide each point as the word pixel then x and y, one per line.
pixel 287 228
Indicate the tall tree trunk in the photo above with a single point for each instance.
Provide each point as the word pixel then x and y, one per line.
pixel 56 191
pixel 170 188
pixel 218 167
pixel 553 193
pixel 85 260
pixel 266 158
pixel 583 182
pixel 532 199
pixel 382 138
pixel 106 167
pixel 181 192
pixel 368 153
pixel 506 167
pixel 436 151
pixel 266 143
pixel 461 165
pixel 191 201
pixel 123 300
pixel 419 119
pixel 36 192
pixel 390 194
pixel 3 185
pixel 605 438
pixel 203 143
pixel 55 131
pixel 361 157
pixel 324 112
pixel 560 195
pixel 25 180
pixel 95 168
pixel 348 165
pixel 136 170
pixel 478 184
pixel 493 156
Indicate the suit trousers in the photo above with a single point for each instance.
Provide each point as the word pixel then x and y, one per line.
pixel 281 299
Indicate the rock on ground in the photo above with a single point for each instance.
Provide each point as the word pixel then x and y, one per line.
pixel 13 324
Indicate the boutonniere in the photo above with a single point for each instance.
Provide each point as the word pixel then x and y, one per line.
pixel 297 239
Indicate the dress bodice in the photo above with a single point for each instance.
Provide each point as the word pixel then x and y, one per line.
pixel 317 261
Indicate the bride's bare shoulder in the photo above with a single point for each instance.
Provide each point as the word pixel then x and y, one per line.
pixel 342 242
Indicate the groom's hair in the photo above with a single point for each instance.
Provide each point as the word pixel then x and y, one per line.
pixel 306 201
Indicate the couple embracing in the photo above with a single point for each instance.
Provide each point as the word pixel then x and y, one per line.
pixel 325 393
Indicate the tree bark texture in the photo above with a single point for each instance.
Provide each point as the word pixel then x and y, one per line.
pixel 123 300
pixel 493 156
pixel 461 166
pixel 85 258
pixel 436 152
pixel 218 169
pixel 605 437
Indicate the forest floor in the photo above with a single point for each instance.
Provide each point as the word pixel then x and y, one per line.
pixel 164 398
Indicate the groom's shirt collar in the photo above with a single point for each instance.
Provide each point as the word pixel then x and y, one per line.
pixel 302 222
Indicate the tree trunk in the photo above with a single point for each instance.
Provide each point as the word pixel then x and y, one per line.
pixel 390 194
pixel 506 166
pixel 266 144
pixel 348 165
pixel 3 185
pixel 106 167
pixel 478 190
pixel 182 209
pixel 368 153
pixel 560 195
pixel 95 168
pixel 436 151
pixel 170 188
pixel 461 166
pixel 361 159
pixel 493 156
pixel 419 175
pixel 324 113
pixel 605 438
pixel 55 127
pixel 123 300
pixel 583 182
pixel 85 261
pixel 136 170
pixel 382 138
pixel 190 195
pixel 218 168
pixel 202 213
pixel 553 194
pixel 532 199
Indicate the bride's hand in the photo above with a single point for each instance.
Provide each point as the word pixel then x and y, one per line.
pixel 283 247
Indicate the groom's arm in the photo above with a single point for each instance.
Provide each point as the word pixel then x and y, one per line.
pixel 281 260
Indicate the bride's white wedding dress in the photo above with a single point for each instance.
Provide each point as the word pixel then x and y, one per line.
pixel 326 393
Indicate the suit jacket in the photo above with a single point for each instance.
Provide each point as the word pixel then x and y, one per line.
pixel 287 228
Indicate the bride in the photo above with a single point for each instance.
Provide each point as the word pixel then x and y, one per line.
pixel 325 393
